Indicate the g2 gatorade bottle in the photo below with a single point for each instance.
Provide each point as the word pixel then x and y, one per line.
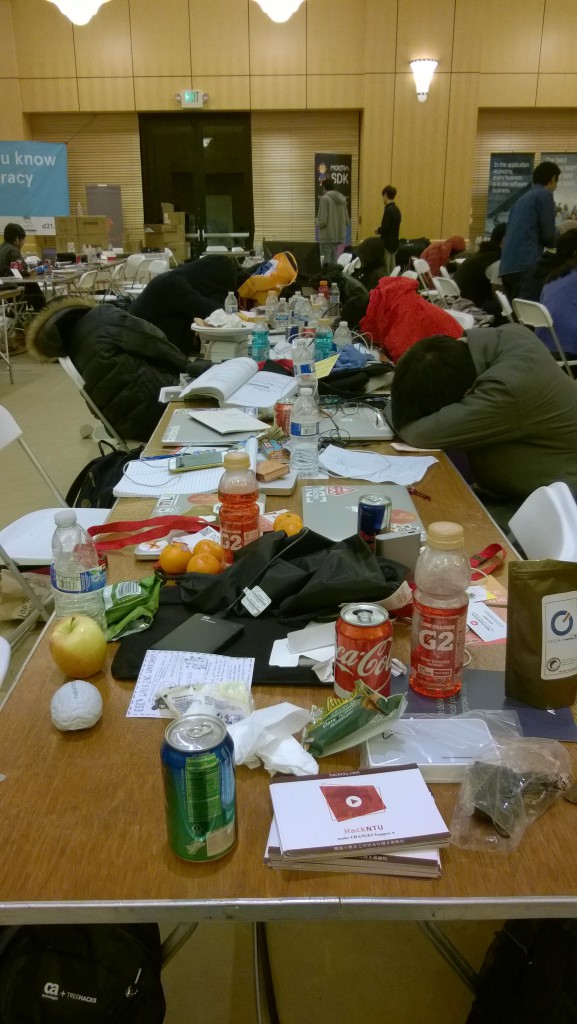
pixel 440 601
pixel 239 512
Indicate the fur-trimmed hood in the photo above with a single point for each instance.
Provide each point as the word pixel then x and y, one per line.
pixel 44 337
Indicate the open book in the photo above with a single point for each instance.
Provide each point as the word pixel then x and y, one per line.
pixel 240 382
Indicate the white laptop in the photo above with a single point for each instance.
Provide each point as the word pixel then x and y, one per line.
pixel 184 429
pixel 356 422
pixel 332 509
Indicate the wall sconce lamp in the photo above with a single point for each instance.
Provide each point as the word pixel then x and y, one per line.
pixel 78 11
pixel 279 10
pixel 423 71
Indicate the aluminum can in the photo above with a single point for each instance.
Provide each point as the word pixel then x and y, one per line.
pixel 282 416
pixel 199 788
pixel 374 516
pixel 363 649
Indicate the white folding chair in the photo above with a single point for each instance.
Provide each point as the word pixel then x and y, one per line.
pixel 445 273
pixel 412 274
pixel 395 271
pixel 466 320
pixel 114 284
pixel 78 381
pixel 546 523
pixel 28 540
pixel 447 289
pixel 505 307
pixel 425 278
pixel 535 314
pixel 156 267
pixel 86 283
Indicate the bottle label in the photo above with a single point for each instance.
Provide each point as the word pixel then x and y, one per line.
pixel 438 645
pixel 84 582
pixel 305 429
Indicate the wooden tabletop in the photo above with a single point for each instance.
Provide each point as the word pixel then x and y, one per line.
pixel 83 829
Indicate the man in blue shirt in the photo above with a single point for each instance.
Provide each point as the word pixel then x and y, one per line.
pixel 530 227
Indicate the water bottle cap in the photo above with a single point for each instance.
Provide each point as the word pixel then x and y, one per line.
pixel 343 323
pixel 446 536
pixel 236 460
pixel 65 518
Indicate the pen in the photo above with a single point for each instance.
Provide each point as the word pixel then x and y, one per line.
pixel 419 494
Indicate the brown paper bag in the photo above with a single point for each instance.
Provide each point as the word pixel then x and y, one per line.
pixel 541 657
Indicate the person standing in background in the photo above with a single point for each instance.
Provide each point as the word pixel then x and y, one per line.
pixel 390 224
pixel 332 221
pixel 530 227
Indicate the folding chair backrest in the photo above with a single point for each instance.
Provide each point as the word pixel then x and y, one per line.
pixel 447 288
pixel 505 306
pixel 9 432
pixel 535 314
pixel 156 267
pixel 555 506
pixel 78 380
pixel 86 283
pixel 395 271
pixel 132 265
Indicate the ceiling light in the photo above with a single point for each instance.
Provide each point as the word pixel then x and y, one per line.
pixel 279 10
pixel 78 11
pixel 423 71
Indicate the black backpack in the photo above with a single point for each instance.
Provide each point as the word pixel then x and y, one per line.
pixel 94 484
pixel 93 973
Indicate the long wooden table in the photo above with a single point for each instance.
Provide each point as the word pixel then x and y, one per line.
pixel 83 830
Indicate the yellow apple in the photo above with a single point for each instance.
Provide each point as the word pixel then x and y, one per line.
pixel 78 646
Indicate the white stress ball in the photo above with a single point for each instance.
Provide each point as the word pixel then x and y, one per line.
pixel 76 705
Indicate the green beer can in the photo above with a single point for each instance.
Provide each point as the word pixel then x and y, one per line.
pixel 199 788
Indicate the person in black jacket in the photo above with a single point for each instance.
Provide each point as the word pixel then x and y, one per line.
pixel 172 300
pixel 471 275
pixel 124 360
pixel 390 225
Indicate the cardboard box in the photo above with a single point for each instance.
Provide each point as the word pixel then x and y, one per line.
pixel 91 225
pixel 97 240
pixel 62 241
pixel 65 226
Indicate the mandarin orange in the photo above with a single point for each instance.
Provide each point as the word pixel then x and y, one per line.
pixel 290 522
pixel 209 547
pixel 204 563
pixel 174 558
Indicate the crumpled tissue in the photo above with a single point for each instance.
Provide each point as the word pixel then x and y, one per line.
pixel 218 318
pixel 267 736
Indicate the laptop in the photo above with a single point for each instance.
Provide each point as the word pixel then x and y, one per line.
pixel 183 429
pixel 331 509
pixel 356 423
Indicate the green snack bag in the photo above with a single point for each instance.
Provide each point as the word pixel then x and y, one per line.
pixel 130 607
pixel 346 723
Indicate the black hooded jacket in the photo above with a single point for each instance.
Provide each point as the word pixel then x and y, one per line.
pixel 173 300
pixel 124 360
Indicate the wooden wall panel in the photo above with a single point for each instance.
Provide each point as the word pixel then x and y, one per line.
pixel 277 49
pixel 13 126
pixel 559 35
pixel 376 152
pixel 161 50
pixel 44 41
pixel 270 92
pixel 460 155
pixel 511 35
pixel 380 36
pixel 225 93
pixel 335 92
pixel 219 37
pixel 469 27
pixel 159 93
pixel 106 94
pixel 419 154
pixel 8 64
pixel 103 47
pixel 507 90
pixel 425 30
pixel 557 91
pixel 336 36
pixel 55 94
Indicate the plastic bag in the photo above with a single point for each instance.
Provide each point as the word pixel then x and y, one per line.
pixel 504 791
pixel 275 275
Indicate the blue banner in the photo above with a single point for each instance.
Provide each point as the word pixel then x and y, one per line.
pixel 34 179
pixel 565 195
pixel 510 175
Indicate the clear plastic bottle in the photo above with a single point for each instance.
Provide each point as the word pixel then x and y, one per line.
pixel 230 303
pixel 303 355
pixel 342 336
pixel 78 579
pixel 302 313
pixel 260 344
pixel 323 341
pixel 239 512
pixel 282 316
pixel 324 291
pixel 292 304
pixel 304 435
pixel 334 307
pixel 270 306
pixel 440 601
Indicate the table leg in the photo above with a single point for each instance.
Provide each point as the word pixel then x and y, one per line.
pixel 5 350
pixel 450 953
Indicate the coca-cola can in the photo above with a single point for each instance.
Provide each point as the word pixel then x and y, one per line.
pixel 363 649
pixel 282 415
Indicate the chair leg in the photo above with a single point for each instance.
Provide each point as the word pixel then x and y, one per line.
pixel 40 606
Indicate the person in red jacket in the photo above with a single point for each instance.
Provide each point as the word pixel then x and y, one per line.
pixel 397 316
pixel 438 254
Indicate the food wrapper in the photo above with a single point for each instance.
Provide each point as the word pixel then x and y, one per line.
pixel 346 723
pixel 231 702
pixel 131 606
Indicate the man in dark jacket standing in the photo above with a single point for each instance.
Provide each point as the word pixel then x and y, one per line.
pixel 332 221
pixel 390 225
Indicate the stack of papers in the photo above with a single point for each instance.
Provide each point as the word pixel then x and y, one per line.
pixel 379 469
pixel 382 821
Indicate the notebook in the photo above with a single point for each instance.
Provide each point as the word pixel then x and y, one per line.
pixel 331 510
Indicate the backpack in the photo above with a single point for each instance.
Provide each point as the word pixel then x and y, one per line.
pixel 94 485
pixel 93 973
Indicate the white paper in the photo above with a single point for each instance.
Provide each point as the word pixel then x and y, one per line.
pixel 164 669
pixel 376 468
pixel 400 446
pixel 315 635
pixel 485 622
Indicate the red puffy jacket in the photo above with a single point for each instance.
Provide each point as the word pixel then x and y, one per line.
pixel 397 317
pixel 438 254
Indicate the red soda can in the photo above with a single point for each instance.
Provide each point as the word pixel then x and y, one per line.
pixel 282 416
pixel 78 258
pixel 14 265
pixel 363 649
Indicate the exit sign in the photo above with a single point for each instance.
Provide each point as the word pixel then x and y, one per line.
pixel 192 98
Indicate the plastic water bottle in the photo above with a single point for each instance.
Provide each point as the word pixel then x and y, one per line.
pixel 303 353
pixel 292 304
pixel 282 316
pixel 230 303
pixel 323 341
pixel 239 512
pixel 260 345
pixel 302 313
pixel 304 435
pixel 270 306
pixel 78 580
pixel 334 307
pixel 342 336
pixel 440 602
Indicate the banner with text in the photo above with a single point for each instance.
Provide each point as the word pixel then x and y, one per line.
pixel 565 194
pixel 33 180
pixel 510 175
pixel 338 168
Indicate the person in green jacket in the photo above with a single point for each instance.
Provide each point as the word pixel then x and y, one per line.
pixel 499 396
